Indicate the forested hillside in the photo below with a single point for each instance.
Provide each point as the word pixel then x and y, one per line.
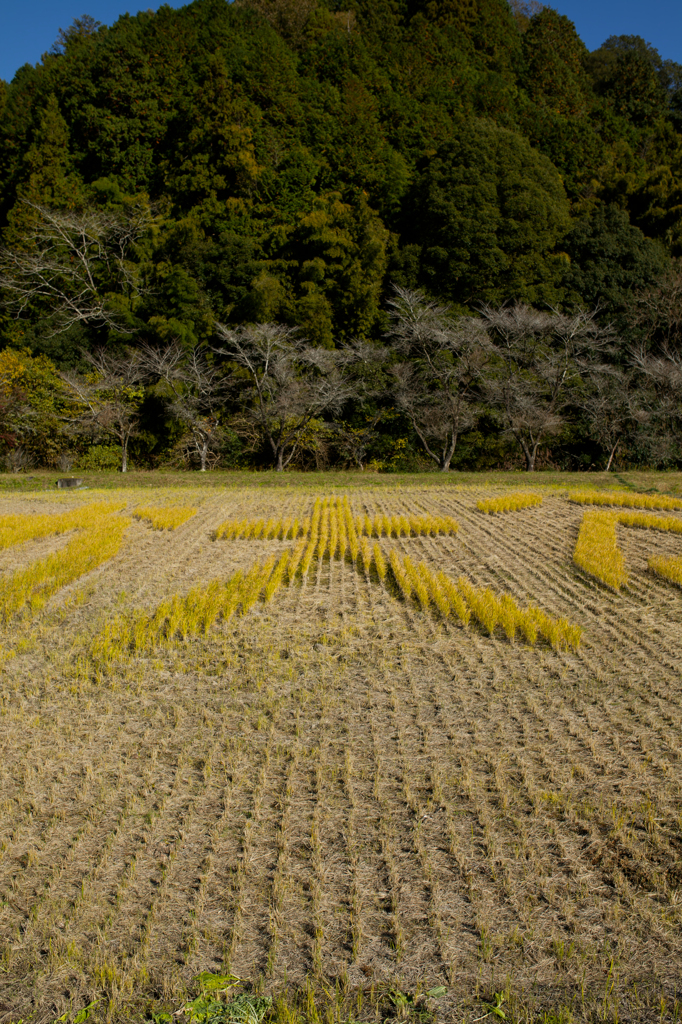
pixel 291 161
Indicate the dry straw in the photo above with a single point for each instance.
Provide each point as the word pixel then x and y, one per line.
pixel 509 503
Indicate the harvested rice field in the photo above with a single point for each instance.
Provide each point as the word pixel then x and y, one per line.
pixel 359 744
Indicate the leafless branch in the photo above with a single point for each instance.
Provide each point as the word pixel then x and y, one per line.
pixel 71 265
pixel 291 383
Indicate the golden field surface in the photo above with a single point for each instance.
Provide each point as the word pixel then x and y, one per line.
pixel 368 740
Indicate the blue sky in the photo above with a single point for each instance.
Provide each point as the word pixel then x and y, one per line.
pixel 29 27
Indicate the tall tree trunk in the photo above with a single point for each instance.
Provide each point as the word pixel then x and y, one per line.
pixel 448 453
pixel 279 466
pixel 530 455
pixel 613 452
pixel 203 455
pixel 124 454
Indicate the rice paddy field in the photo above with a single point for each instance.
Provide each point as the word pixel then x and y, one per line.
pixel 407 749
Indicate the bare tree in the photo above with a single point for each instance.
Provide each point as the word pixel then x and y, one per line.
pixel 609 407
pixel 108 400
pixel 199 390
pixel 291 383
pixel 539 358
pixel 355 443
pixel 71 267
pixel 656 314
pixel 437 388
pixel 659 402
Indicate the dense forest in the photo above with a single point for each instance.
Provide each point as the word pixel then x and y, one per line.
pixel 385 233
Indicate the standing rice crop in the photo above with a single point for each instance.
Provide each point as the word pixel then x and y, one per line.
pixel 668 568
pixel 488 608
pixel 98 540
pixel 168 518
pixel 509 502
pixel 379 562
pixel 596 550
pixel 399 574
pixel 653 501
pixel 642 521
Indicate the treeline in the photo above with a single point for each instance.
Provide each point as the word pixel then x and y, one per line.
pixel 291 162
pixel 262 394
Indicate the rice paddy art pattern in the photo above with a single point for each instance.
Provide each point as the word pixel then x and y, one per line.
pixel 332 533
pixel 349 739
pixel 597 551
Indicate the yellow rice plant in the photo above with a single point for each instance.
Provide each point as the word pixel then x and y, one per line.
pixel 445 524
pixel 399 574
pixel 669 568
pixel 558 632
pixel 275 581
pixel 324 531
pixel 307 557
pixel 484 603
pixel 316 518
pixel 178 617
pixel 313 536
pixel 333 532
pixel 17 529
pixel 343 535
pixel 492 610
pixel 653 501
pixel 648 522
pixel 509 503
pixel 168 518
pixel 233 529
pixel 295 560
pixel 351 530
pixel 405 526
pixel 380 562
pixel 365 553
pixel 417 525
pixel 596 550
pixel 255 530
pixel 271 529
pixel 98 540
pixel 443 584
pixel 418 581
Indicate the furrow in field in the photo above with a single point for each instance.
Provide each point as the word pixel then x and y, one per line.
pixel 257 859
